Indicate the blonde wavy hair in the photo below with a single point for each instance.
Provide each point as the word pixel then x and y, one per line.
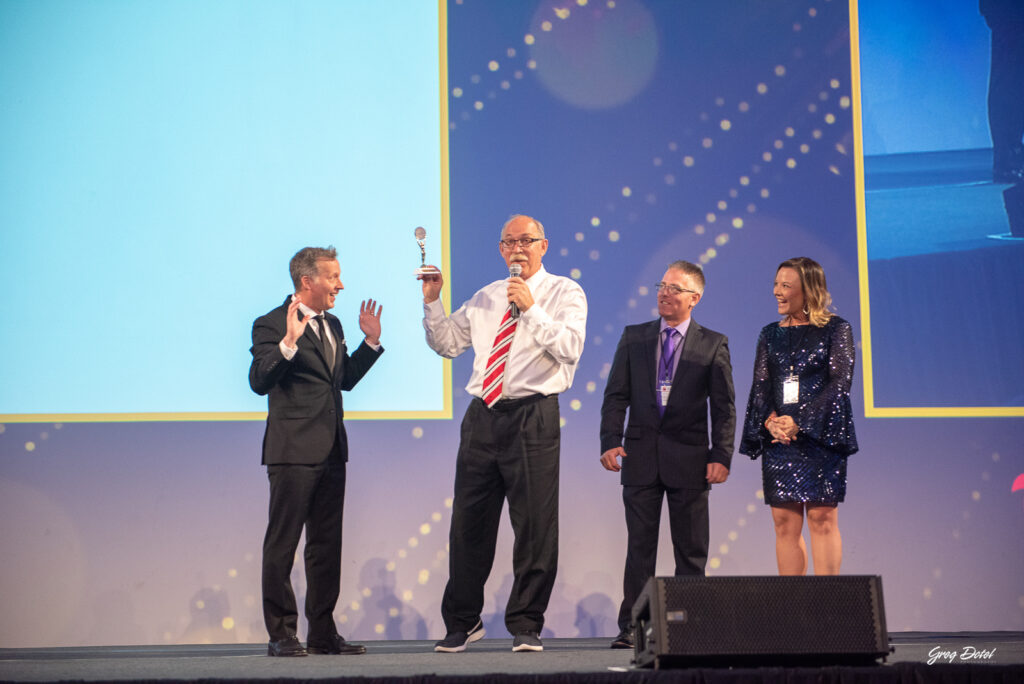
pixel 817 300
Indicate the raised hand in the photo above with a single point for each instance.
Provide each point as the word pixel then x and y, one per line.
pixel 295 326
pixel 432 283
pixel 369 320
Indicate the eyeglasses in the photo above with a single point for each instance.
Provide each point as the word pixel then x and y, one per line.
pixel 673 288
pixel 510 243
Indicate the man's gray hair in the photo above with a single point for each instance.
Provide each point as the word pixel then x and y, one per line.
pixel 513 217
pixel 304 263
pixel 692 270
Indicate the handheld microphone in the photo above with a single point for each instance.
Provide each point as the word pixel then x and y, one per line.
pixel 514 271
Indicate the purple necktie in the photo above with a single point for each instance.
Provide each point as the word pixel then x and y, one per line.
pixel 668 348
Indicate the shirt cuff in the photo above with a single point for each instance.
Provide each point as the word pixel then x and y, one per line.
pixel 433 310
pixel 374 347
pixel 287 352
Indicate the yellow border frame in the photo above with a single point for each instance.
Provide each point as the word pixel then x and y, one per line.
pixel 446 367
pixel 870 409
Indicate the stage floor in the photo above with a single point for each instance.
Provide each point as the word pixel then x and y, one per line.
pixel 562 660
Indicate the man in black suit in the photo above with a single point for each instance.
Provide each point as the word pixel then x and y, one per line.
pixel 300 360
pixel 668 373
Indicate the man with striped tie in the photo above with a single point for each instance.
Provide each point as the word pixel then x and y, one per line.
pixel 527 334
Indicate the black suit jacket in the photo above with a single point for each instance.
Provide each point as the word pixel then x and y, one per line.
pixel 304 395
pixel 674 448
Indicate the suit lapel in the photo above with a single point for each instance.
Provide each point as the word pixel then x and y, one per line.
pixel 694 338
pixel 649 346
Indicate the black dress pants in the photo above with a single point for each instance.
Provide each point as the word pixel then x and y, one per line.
pixel 310 496
pixel 510 451
pixel 688 523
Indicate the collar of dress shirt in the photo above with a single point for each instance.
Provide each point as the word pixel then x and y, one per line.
pixel 682 327
pixel 306 311
pixel 537 278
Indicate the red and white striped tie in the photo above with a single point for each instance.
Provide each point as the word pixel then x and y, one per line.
pixel 494 375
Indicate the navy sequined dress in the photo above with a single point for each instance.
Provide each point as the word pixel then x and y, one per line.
pixel 812 468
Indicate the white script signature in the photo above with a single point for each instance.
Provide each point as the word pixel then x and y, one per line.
pixel 966 653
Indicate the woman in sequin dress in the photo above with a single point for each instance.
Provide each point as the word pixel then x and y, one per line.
pixel 799 420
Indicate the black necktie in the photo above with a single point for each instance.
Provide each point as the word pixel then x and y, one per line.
pixel 325 344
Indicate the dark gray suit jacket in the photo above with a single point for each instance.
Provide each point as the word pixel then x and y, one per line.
pixel 674 447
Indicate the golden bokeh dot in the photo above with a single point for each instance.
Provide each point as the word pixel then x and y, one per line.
pixel 733 535
pixel 767 156
pixel 378 628
pixel 710 218
pixel 532 64
pixel 790 131
pixel 613 236
pixel 518 74
pixel 505 85
pixel 687 160
pixel 812 107
pixel 976 495
pixel 390 566
pixel 759 495
pixel 457 92
pixel 657 161
pixel 545 25
pixel 927 592
pixel 830 118
pixel 413 542
pixel 200 604
pixel 751 208
pixel 478 105
pixel 417 432
pixel 425 528
pixel 823 95
pixel 778 144
pixel 561 422
pixel 424 576
pixel 834 83
pixel 813 12
pixel 673 146
pixel 562 12
pixel 780 70
pixel 744 180
pixel 232 573
pixel 594 255
pixel 712 252
pixel 844 102
pixel 511 52
pixel 575 404
pixel 699 229
pixel 734 193
pixel 791 163
pixel 841 148
pixel 805 148
pixel 343 619
pixel 834 169
pixel 765 192
pixel 797 26
pixel 722 206
pixel 30 446
pixel 595 221
pixel 721 239
pixel 751 508
pixel 719 101
pixel 816 134
pixel 407 595
pixel 448 502
pixel 366 592
pixel 715 563
pixel 228 624
pixel 610 4
pixel 581 3
pixel 564 251
pixel 2 429
pixel 627 191
pixel 706 143
pixel 402 553
pixel 737 222
pixel 575 274
pixel 670 179
pixel 744 107
pixel 436 516
pixel 393 612
pixel 725 124
pixel 631 303
pixel 579 237
pixel 493 65
pixel 762 88
pixel 742 522
pixel 723 549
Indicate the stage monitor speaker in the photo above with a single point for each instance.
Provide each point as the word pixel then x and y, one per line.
pixel 755 621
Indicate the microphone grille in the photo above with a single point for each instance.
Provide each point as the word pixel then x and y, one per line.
pixel 515 270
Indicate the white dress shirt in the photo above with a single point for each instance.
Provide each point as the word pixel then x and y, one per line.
pixel 547 344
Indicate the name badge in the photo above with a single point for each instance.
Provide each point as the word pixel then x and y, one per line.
pixel 791 389
pixel 663 391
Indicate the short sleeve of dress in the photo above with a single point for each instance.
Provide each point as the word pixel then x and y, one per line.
pixel 760 404
pixel 827 417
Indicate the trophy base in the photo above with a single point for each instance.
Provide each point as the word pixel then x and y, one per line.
pixel 427 270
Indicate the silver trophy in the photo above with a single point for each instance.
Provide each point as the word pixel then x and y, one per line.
pixel 421 236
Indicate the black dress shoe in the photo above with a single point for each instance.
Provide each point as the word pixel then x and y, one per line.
pixel 287 647
pixel 624 640
pixel 334 645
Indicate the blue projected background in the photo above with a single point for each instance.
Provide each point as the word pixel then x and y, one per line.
pixel 638 132
pixel 161 162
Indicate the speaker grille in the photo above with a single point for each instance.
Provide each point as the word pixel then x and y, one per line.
pixel 772 615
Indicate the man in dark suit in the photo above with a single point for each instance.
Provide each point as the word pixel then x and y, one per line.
pixel 668 373
pixel 300 360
